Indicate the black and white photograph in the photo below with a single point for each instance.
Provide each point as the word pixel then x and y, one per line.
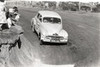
pixel 49 33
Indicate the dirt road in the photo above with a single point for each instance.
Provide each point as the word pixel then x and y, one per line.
pixel 83 47
pixel 81 50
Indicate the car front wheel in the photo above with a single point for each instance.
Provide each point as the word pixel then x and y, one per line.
pixel 41 41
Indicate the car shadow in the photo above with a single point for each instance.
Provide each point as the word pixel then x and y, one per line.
pixel 69 43
pixel 54 44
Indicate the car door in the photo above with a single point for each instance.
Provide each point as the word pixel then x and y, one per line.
pixel 38 22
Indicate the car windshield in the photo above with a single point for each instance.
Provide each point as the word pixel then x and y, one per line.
pixel 51 20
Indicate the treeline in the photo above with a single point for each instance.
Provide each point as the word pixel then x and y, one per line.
pixel 72 6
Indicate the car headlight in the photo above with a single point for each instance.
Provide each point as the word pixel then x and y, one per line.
pixel 43 36
pixel 66 38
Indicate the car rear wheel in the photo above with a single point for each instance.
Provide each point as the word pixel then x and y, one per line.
pixel 33 27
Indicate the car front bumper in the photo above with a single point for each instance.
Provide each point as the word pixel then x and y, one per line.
pixel 55 41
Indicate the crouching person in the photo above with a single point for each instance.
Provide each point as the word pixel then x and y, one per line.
pixel 12 17
pixel 16 13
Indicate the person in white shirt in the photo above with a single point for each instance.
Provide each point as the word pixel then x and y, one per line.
pixel 3 21
pixel 16 13
pixel 12 17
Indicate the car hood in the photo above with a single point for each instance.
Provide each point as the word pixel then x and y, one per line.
pixel 51 28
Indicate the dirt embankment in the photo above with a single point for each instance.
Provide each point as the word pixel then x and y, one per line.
pixel 15 49
pixel 16 57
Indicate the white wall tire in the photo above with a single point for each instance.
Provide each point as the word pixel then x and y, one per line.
pixel 41 41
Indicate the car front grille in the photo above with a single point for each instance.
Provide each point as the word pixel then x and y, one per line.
pixel 55 37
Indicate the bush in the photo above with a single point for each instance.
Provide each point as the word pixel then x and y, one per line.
pixel 52 4
pixel 68 6
pixel 86 8
pixel 97 8
pixel 63 6
pixel 74 8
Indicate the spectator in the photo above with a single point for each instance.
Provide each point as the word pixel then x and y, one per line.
pixel 15 9
pixel 16 13
pixel 3 21
pixel 12 17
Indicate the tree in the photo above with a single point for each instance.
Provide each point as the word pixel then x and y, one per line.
pixel 86 8
pixel 52 5
pixel 73 6
pixel 97 8
pixel 64 6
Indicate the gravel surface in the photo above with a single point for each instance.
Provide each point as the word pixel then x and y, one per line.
pixel 83 45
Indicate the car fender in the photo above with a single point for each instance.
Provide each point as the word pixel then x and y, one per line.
pixel 43 31
pixel 63 33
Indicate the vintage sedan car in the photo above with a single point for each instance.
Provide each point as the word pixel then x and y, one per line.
pixel 48 26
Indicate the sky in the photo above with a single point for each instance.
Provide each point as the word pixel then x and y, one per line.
pixel 61 0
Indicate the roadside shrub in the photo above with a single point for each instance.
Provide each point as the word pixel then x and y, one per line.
pixel 69 6
pixel 94 10
pixel 74 8
pixel 52 4
pixel 85 8
pixel 63 6
pixel 97 8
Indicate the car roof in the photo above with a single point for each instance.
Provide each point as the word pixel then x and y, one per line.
pixel 47 13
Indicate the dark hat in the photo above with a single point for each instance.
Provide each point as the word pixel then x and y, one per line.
pixel 15 8
pixel 2 0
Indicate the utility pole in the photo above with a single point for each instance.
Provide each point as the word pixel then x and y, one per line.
pixel 79 6
pixel 91 5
